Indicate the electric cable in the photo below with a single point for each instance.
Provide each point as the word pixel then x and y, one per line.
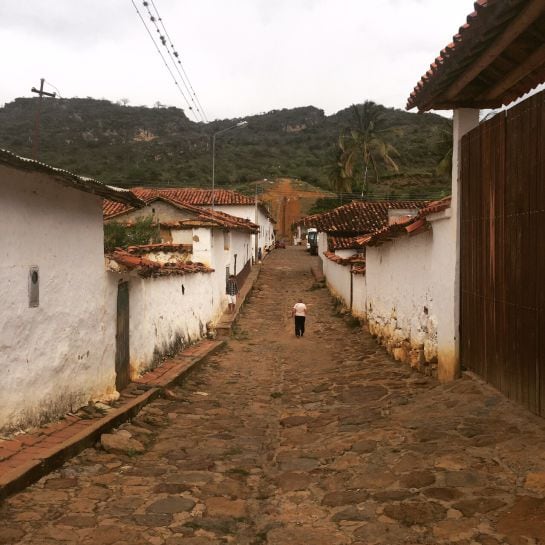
pixel 164 61
pixel 177 62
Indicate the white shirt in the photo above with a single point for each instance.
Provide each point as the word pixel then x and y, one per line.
pixel 300 309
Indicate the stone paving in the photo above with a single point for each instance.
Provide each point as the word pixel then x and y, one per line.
pixel 322 440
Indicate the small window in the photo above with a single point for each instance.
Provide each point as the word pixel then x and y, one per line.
pixel 34 287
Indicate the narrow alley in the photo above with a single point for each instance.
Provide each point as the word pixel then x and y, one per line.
pixel 323 440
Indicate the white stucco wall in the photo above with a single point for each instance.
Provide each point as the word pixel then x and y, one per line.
pixel 163 317
pixel 407 300
pixel 246 211
pixel 338 280
pixel 55 357
pixel 241 246
pixel 359 296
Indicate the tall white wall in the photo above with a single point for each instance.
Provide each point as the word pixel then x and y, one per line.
pixel 55 357
pixel 407 299
pixel 241 246
pixel 165 314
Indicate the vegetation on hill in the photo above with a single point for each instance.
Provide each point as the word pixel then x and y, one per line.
pixel 130 146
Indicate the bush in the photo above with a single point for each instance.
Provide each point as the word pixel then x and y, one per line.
pixel 118 235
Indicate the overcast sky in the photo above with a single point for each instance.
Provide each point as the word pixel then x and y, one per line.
pixel 242 56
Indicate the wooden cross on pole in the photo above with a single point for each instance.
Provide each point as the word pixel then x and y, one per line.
pixel 36 139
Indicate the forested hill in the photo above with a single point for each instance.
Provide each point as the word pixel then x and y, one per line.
pixel 128 145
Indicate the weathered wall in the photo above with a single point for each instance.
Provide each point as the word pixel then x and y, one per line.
pixel 55 357
pixel 166 313
pixel 161 211
pixel 406 296
pixel 240 246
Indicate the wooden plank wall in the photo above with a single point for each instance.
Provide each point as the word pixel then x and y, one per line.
pixel 502 311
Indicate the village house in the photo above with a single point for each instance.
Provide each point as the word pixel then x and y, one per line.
pixel 56 338
pixel 342 255
pixel 220 200
pixel 172 293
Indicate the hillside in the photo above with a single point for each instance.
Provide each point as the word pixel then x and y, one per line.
pixel 128 145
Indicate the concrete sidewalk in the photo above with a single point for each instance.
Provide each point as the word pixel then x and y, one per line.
pixel 29 456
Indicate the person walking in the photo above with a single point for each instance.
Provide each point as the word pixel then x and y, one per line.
pixel 231 290
pixel 299 312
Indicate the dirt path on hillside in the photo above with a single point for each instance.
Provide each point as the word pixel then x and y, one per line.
pixel 322 440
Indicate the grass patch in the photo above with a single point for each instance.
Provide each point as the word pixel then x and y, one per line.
pixel 276 395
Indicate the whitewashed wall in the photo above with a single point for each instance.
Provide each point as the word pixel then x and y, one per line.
pixel 266 228
pixel 241 246
pixel 163 317
pixel 55 357
pixel 338 280
pixel 406 295
pixel 359 296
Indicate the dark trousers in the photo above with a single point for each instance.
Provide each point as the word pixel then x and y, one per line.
pixel 299 326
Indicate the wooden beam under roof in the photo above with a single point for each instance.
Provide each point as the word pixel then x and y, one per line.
pixel 520 23
pixel 535 60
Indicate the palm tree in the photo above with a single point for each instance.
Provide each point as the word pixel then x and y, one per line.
pixel 338 181
pixel 363 146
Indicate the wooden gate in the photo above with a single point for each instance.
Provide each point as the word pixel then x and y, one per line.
pixel 122 354
pixel 502 312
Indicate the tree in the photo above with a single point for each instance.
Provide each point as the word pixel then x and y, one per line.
pixel 363 145
pixel 339 182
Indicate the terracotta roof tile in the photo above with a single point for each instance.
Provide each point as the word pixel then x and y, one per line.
pixel 411 226
pixel 357 217
pixel 483 26
pixel 342 243
pixel 353 259
pixel 146 268
pixel 213 218
pixel 116 195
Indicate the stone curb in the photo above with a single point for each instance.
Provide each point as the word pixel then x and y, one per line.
pixel 24 475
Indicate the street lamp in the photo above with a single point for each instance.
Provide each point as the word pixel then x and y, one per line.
pixel 239 124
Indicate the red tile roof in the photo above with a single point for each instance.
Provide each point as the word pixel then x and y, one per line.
pixel 411 226
pixel 483 39
pixel 146 268
pixel 353 259
pixel 212 218
pixel 357 217
pixel 116 195
pixel 159 247
pixel 342 243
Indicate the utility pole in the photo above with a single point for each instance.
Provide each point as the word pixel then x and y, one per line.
pixel 36 137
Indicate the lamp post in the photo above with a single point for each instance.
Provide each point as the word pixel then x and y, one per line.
pixel 239 124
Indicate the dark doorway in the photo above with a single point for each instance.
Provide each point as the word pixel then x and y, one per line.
pixel 122 355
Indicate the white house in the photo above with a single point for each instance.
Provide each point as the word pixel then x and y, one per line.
pixel 342 255
pixel 221 200
pixel 57 347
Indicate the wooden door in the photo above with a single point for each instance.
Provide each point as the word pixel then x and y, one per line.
pixel 122 354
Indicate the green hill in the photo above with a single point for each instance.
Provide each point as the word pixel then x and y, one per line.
pixel 127 145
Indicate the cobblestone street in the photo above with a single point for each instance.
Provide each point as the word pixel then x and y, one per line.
pixel 323 440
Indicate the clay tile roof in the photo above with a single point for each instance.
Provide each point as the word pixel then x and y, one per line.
pixel 159 247
pixel 203 197
pixel 495 57
pixel 357 217
pixel 116 195
pixel 343 243
pixel 411 226
pixel 146 268
pixel 353 259
pixel 212 218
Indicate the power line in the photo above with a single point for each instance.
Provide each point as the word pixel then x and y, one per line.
pixel 175 57
pixel 164 61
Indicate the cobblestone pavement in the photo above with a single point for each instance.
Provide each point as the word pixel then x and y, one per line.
pixel 322 440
